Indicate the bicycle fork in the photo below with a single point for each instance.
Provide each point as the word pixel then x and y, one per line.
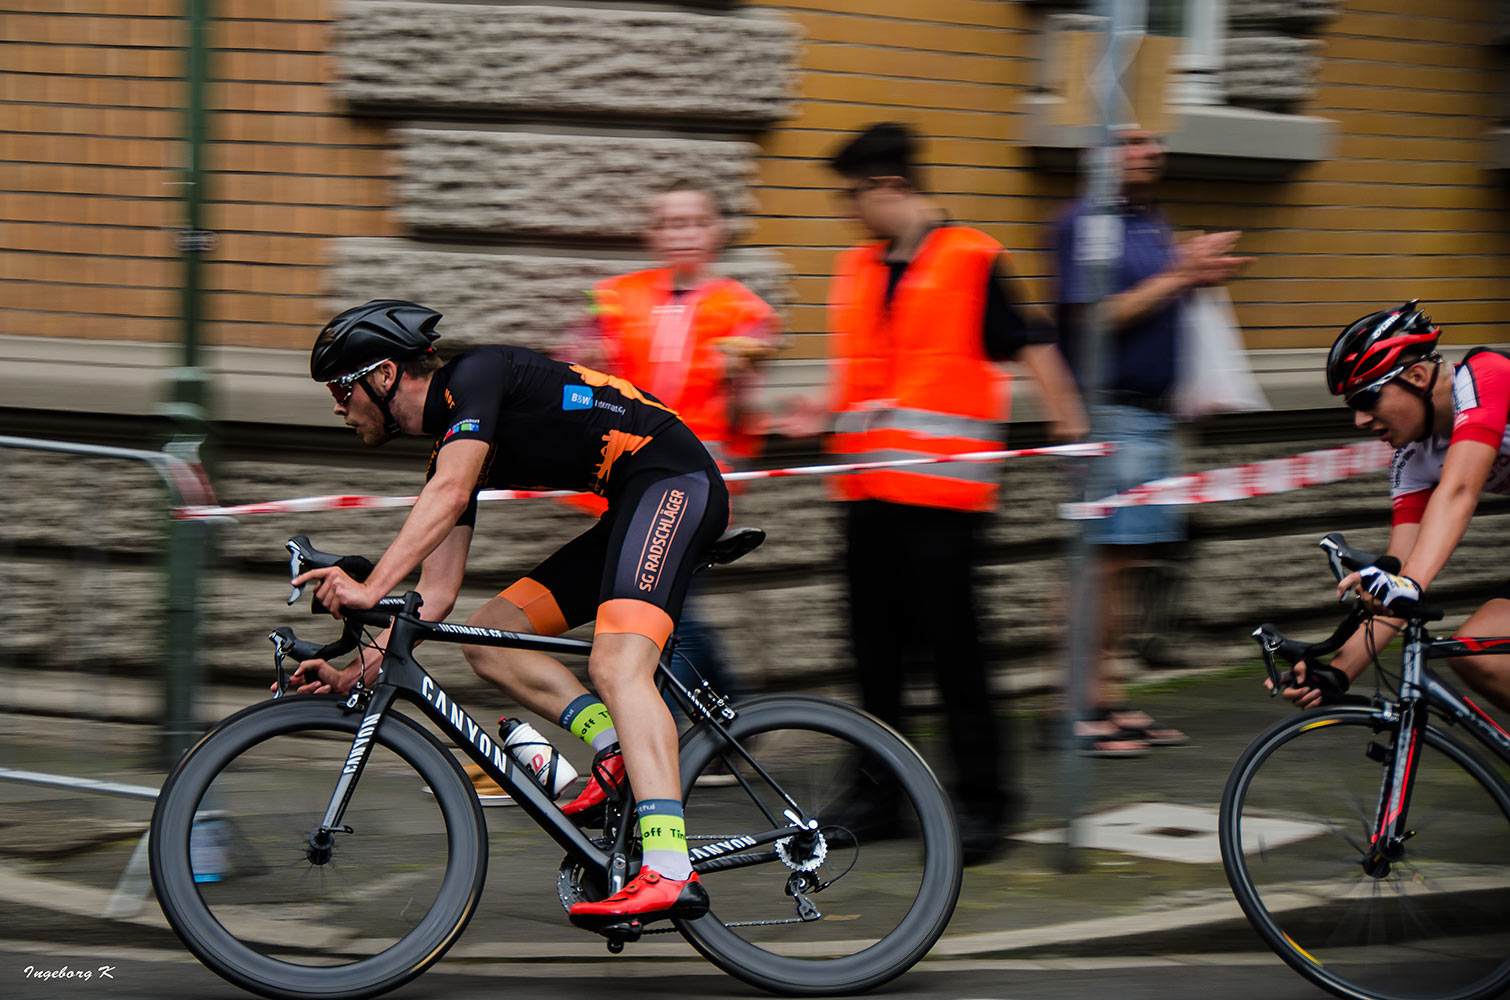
pixel 322 839
pixel 1390 832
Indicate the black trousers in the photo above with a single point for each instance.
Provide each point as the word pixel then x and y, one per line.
pixel 912 599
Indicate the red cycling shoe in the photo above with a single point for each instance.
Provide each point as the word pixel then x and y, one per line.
pixel 650 896
pixel 607 768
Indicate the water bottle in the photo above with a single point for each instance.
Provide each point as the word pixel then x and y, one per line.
pixel 209 849
pixel 552 771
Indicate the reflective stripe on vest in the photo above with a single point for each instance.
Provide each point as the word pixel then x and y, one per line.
pixel 929 423
pixel 911 378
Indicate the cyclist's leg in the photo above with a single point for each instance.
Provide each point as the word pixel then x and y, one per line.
pixel 1488 675
pixel 550 600
pixel 663 524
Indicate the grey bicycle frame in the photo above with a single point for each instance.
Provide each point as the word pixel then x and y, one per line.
pixel 1418 684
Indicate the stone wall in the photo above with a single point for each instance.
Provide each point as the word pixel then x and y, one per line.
pixel 540 143
pixel 781 608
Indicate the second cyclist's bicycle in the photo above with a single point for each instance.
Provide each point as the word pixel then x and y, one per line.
pixel 1368 845
pixel 331 846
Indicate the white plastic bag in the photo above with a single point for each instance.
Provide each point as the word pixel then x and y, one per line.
pixel 1213 374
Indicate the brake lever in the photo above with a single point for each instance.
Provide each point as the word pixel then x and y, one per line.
pixel 1268 646
pixel 295 566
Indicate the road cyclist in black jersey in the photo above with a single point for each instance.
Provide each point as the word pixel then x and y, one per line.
pixel 507 417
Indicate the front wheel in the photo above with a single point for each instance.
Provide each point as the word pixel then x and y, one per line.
pixel 1296 824
pixel 880 883
pixel 244 887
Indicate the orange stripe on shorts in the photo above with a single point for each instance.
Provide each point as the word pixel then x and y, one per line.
pixel 538 604
pixel 625 614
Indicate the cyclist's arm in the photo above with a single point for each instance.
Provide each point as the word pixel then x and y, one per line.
pixel 1354 657
pixel 440 503
pixel 440 577
pixel 1464 471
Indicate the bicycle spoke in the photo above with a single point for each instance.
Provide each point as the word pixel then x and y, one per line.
pixel 1434 921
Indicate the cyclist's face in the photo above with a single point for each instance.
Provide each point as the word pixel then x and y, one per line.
pixel 360 413
pixel 1399 415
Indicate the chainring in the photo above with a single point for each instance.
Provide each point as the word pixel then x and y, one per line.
pixel 576 883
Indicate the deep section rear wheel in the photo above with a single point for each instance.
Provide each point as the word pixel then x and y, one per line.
pixel 882 883
pixel 1296 825
pixel 241 883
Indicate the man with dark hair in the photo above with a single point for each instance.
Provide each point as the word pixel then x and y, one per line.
pixel 918 316
pixel 506 417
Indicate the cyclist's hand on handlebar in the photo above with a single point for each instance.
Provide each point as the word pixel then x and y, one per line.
pixel 1313 684
pixel 1378 588
pixel 319 677
pixel 337 591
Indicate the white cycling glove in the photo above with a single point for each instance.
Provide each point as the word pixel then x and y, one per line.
pixel 1387 588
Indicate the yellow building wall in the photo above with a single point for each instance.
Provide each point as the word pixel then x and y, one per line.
pixel 90 100
pixel 90 177
pixel 1406 208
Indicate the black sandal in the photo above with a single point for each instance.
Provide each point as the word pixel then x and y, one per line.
pixel 1150 732
pixel 1113 742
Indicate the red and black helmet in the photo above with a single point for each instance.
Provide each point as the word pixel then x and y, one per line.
pixel 1374 349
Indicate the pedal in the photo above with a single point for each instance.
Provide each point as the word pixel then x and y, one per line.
pixel 620 934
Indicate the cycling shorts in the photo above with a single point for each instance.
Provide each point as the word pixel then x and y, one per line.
pixel 630 570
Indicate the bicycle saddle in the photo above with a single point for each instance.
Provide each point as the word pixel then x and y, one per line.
pixel 731 545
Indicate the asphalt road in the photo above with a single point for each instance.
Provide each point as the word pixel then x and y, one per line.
pixel 152 974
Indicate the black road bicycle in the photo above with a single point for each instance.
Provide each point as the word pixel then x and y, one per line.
pixel 1369 847
pixel 332 846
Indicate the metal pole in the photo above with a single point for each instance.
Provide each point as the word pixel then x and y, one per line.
pixel 188 403
pixel 1099 251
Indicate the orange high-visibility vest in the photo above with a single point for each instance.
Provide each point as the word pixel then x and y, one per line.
pixel 911 379
pixel 668 345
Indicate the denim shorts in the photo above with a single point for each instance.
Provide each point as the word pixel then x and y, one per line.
pixel 1146 450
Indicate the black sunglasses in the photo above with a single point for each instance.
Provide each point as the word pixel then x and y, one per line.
pixel 1365 399
pixel 342 388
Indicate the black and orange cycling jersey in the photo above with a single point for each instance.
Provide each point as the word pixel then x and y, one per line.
pixel 553 425
pixel 547 424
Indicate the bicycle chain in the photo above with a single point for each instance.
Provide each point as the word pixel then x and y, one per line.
pixel 733 923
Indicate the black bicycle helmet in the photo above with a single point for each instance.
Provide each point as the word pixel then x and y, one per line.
pixel 380 330
pixel 1379 346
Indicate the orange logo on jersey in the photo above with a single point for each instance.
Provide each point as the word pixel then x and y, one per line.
pixel 625 389
pixel 615 444
pixel 450 400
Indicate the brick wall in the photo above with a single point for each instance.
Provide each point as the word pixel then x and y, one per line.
pixel 1408 207
pixel 89 190
pixel 88 194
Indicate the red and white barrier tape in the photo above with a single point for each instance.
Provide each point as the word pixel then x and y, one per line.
pixel 346 502
pixel 1242 482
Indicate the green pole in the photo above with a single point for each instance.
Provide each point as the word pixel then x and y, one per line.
pixel 187 407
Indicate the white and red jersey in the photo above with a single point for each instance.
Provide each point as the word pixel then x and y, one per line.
pixel 1481 406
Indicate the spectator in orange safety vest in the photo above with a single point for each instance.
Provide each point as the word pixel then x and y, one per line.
pixel 693 339
pixel 918 318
